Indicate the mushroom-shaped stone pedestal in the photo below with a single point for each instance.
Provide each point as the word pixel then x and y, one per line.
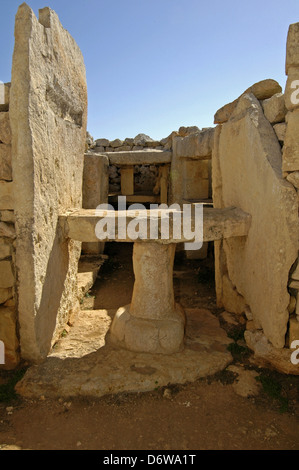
pixel 153 322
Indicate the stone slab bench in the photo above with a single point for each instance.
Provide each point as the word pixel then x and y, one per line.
pixel 80 224
pixel 153 322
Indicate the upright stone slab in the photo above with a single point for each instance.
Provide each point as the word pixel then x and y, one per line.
pixel 248 165
pixel 153 322
pixel 95 191
pixel 48 113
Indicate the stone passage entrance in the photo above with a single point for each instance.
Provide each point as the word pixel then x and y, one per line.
pixel 148 342
pixel 47 177
pixel 153 322
pixel 86 362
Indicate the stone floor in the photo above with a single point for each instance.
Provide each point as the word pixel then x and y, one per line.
pixel 84 363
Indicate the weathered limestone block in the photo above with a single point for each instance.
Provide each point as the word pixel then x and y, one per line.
pixel 290 155
pixel 99 149
pixel 127 180
pixel 4 97
pixel 7 216
pixel 152 144
pixel 200 168
pixel 196 179
pixel 140 157
pixel 129 141
pixel 7 230
pixel 5 132
pixel 95 180
pixel 7 278
pixel 95 191
pixel 9 337
pixel 142 140
pixel 274 108
pixel 184 131
pixel 153 295
pixel 5 162
pixel 232 301
pixel 116 143
pixel 6 195
pixel 261 90
pixel 81 225
pixel 124 148
pixel 136 148
pixel 294 178
pixel 295 273
pixel 258 265
pixel 102 143
pixel 291 93
pixel 48 113
pixel 280 131
pixel 293 330
pixel 10 302
pixel 292 54
pixel 294 284
pixel 152 323
pixel 266 355
pixel 197 145
pixel 5 248
pixel 168 141
pixel 5 294
pixel 292 304
pixel 216 171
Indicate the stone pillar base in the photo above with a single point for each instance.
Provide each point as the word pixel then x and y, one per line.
pixel 163 336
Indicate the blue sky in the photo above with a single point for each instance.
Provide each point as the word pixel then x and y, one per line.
pixel 155 65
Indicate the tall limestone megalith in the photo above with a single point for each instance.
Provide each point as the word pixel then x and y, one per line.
pixel 247 173
pixel 48 113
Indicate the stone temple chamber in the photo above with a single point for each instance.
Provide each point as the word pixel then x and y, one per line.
pixel 82 328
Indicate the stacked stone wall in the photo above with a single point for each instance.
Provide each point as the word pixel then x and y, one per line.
pixel 8 318
pixel 290 159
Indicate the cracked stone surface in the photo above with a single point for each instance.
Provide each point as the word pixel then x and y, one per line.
pixel 84 363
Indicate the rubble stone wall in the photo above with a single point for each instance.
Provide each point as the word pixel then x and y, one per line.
pixel 249 170
pixel 8 317
pixel 290 158
pixel 145 176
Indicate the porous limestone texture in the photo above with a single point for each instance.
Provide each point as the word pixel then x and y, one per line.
pixel 8 315
pixel 81 225
pixel 48 113
pixel 266 355
pixel 261 90
pixel 84 364
pixel 5 96
pixel 190 172
pixel 9 336
pixel 290 159
pixel 245 384
pixel 274 108
pixel 152 322
pixel 247 173
pixel 292 53
pixel 95 191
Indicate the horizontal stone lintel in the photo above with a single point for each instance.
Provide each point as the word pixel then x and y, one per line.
pixel 139 157
pixel 230 222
